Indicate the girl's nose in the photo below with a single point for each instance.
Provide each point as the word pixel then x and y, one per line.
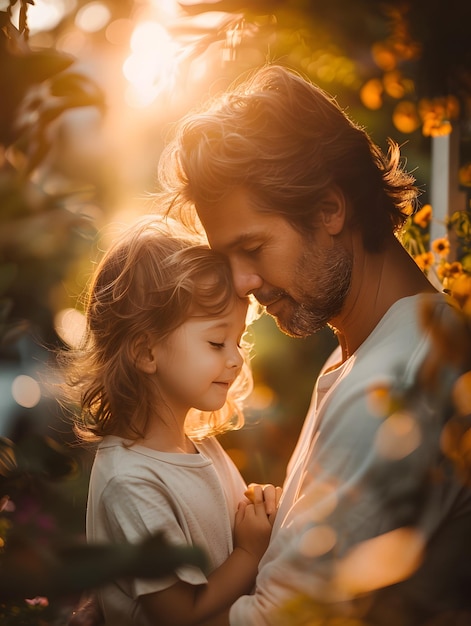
pixel 235 359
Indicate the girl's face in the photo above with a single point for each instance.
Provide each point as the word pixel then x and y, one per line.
pixel 199 361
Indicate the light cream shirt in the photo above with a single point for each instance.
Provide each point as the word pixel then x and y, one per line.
pixel 135 492
pixel 344 485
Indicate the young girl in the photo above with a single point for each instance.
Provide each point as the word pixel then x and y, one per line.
pixel 163 369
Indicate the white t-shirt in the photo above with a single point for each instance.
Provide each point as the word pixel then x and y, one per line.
pixel 136 492
pixel 341 487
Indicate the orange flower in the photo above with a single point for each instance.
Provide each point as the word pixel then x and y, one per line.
pixel 441 246
pixel 422 218
pixel 448 273
pixel 465 175
pixel 450 270
pixel 425 260
pixel 405 117
pixel 371 94
pixel 461 292
pixel 380 400
pixel 437 115
pixel 434 127
pixel 462 394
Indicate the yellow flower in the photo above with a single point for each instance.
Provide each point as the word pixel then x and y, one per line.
pixel 405 117
pixel 461 292
pixel 434 127
pixel 425 260
pixel 462 394
pixel 449 271
pixel 422 218
pixel 441 246
pixel 465 175
pixel 371 94
pixel 380 400
pixel 437 115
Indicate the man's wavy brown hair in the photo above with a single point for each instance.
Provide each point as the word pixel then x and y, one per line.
pixel 287 142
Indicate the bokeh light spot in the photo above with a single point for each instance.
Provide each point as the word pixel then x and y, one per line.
pixel 393 84
pixel 317 541
pixel 318 502
pixel 26 391
pixel 371 94
pixel 461 394
pixel 44 15
pixel 381 561
pixel 405 117
pixel 379 400
pixel 398 436
pixel 152 66
pixel 93 17
pixel 69 324
pixel 383 56
pixel 119 31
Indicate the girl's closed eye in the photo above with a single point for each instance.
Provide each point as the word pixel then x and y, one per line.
pixel 216 344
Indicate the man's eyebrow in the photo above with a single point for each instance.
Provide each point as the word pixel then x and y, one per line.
pixel 240 241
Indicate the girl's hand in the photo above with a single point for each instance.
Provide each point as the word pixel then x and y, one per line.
pixel 252 528
pixel 271 498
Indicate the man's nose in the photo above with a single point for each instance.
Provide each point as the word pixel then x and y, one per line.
pixel 246 280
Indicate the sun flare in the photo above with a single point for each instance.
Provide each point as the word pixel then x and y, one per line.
pixel 152 66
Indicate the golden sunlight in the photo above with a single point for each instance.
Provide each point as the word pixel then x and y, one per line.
pixel 46 14
pixel 151 68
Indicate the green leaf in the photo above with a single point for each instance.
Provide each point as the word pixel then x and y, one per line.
pixel 28 570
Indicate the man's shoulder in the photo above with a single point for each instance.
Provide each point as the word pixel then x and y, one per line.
pixel 404 324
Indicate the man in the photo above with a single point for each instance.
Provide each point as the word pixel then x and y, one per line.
pixel 373 524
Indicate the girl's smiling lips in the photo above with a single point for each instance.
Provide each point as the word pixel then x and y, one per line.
pixel 224 383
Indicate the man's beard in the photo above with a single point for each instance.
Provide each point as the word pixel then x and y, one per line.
pixel 325 276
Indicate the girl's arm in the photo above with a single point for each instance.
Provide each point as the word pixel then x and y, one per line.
pixel 184 604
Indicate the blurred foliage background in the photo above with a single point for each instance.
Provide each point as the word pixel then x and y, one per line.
pixel 88 93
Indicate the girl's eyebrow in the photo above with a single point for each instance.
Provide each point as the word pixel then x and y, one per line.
pixel 213 322
pixel 219 324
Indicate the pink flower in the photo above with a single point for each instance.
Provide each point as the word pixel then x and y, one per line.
pixel 38 601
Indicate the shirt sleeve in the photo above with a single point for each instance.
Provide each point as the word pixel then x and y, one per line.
pixel 135 509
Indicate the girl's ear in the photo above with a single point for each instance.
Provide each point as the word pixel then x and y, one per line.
pixel 144 358
pixel 333 211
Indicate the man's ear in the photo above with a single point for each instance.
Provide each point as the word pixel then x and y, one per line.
pixel 333 211
pixel 144 357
